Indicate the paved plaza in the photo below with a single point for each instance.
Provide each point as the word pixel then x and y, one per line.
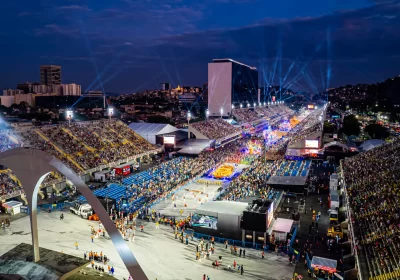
pixel 158 252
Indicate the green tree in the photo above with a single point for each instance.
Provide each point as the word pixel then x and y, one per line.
pixel 376 131
pixel 351 126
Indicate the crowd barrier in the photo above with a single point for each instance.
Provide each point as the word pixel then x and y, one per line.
pixel 54 207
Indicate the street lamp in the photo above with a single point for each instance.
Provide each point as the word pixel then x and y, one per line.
pixel 233 106
pixel 265 104
pixel 222 111
pixel 241 105
pixel 110 112
pixel 255 104
pixel 189 115
pixel 69 114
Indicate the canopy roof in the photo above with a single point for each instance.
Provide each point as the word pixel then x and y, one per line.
pixel 283 225
pixel 370 144
pixel 152 128
pixel 337 143
pixel 222 207
pixel 324 264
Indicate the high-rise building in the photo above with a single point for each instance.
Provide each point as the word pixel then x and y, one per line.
pixel 12 92
pixel 230 83
pixel 50 75
pixel 165 86
pixel 71 89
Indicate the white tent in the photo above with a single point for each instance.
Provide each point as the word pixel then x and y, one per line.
pixel 149 131
pixel 371 144
pixel 337 143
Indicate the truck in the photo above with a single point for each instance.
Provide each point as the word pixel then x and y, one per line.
pixel 333 217
pixel 335 230
pixel 84 210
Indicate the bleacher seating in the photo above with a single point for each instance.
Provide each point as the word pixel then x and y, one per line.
pixel 215 128
pixel 372 180
pixel 85 145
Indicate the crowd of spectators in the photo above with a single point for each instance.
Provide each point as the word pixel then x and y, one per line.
pixel 6 142
pixel 245 115
pixel 172 174
pixel 88 144
pixel 215 128
pixel 302 134
pixel 9 184
pixel 372 180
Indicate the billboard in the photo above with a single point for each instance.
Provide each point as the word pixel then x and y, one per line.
pixel 169 140
pixel 312 143
pixel 219 88
pixel 199 220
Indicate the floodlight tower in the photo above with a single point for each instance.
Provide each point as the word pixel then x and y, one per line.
pixel 189 115
pixel 110 112
pixel 222 112
pixel 69 114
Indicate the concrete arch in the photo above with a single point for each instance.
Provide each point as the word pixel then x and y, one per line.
pixel 31 166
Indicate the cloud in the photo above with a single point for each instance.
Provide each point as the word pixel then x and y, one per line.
pixel 75 8
pixel 55 29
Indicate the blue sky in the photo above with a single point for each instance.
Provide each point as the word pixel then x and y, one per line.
pixel 134 45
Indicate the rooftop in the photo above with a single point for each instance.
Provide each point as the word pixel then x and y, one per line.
pixel 234 61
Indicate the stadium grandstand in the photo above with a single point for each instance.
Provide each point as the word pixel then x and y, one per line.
pixel 371 180
pixel 84 146
pixel 215 128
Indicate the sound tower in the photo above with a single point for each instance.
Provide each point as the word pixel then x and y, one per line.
pixel 256 216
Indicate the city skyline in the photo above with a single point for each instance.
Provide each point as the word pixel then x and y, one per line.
pixel 135 45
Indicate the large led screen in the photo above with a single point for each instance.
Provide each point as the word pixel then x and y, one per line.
pixel 204 221
pixel 169 140
pixel 312 143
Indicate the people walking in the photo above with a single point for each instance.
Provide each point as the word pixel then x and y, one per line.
pixel 76 245
pixel 241 270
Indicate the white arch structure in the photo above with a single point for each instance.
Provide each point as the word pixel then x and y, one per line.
pixel 31 166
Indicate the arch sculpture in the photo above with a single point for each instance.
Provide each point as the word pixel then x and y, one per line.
pixel 31 166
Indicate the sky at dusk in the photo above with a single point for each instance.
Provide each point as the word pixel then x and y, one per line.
pixel 134 45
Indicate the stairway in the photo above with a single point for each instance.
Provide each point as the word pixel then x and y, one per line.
pixel 23 197
pixel 58 149
pixel 41 194
pixel 124 140
pixel 14 178
pixel 76 139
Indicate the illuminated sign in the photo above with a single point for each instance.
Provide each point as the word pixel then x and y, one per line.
pixel 310 106
pixel 312 143
pixel 335 136
pixel 169 140
pixel 273 98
